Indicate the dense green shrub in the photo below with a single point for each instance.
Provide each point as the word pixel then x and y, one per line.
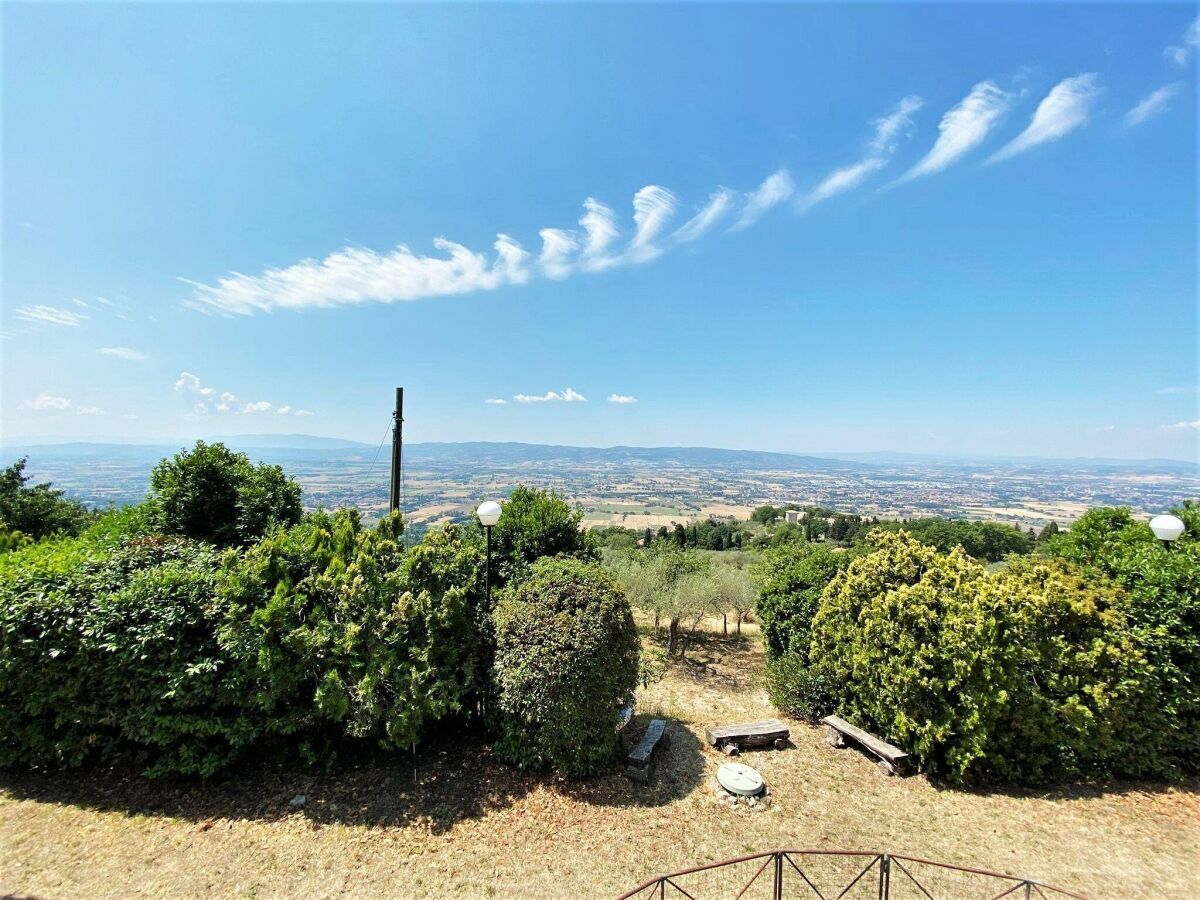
pixel 185 658
pixel 791 578
pixel 1164 608
pixel 212 494
pixel 38 510
pixel 566 663
pixel 799 690
pixel 107 648
pixel 535 523
pixel 347 637
pixel 1027 674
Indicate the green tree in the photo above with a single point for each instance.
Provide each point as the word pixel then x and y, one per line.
pixel 536 523
pixel 566 664
pixel 39 510
pixel 1048 532
pixel 213 494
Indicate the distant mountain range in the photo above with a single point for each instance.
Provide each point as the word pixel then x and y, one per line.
pixel 280 447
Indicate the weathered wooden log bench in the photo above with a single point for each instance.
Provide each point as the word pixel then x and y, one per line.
pixel 892 760
pixel 637 763
pixel 734 738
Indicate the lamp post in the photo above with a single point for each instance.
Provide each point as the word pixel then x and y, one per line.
pixel 489 515
pixel 1167 529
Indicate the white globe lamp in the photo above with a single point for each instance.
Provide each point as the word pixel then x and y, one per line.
pixel 488 513
pixel 1167 528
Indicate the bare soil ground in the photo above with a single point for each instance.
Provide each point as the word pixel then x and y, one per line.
pixel 463 825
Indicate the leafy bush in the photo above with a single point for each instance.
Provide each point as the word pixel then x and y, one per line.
pixel 536 523
pixel 212 494
pixel 1027 674
pixel 791 578
pixel 37 511
pixel 103 649
pixel 1164 608
pixel 120 642
pixel 566 663
pixel 798 690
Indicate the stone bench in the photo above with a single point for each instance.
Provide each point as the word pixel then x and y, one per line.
pixel 637 764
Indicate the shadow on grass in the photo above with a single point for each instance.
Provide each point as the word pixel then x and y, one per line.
pixel 451 779
pixel 439 786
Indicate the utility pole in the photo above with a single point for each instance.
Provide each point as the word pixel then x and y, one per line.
pixel 397 447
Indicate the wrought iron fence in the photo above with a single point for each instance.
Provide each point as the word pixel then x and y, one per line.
pixel 830 874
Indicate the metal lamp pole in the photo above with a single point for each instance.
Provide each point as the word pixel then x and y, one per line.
pixel 488 514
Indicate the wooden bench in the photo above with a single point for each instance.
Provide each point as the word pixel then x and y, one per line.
pixel 733 738
pixel 892 760
pixel 637 763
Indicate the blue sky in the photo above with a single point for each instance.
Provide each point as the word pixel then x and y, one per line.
pixel 928 228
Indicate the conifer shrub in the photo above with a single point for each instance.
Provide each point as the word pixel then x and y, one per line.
pixel 566 664
pixel 347 636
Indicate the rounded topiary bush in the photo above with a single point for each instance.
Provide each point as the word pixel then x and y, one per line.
pixel 566 663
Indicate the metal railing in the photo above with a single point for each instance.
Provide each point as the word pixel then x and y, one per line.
pixel 837 874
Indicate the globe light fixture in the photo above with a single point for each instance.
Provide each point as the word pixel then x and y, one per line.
pixel 488 515
pixel 1167 529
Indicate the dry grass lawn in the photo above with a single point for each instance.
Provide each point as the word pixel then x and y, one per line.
pixel 467 826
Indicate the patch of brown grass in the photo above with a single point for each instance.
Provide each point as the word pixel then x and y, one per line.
pixel 460 824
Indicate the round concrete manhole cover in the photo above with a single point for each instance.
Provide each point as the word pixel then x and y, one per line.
pixel 739 779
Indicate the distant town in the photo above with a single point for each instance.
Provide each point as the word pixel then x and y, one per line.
pixel 642 488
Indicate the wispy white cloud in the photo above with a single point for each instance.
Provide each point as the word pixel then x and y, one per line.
pixel 1194 423
pixel 45 402
pixel 1179 389
pixel 1181 54
pixel 495 401
pixel 774 190
pixel 357 275
pixel 90 411
pixel 558 246
pixel 621 398
pixel 50 315
pixel 302 412
pixel 284 411
pixel 600 231
pixel 882 145
pixel 123 353
pixel 227 402
pixel 720 202
pixel 963 128
pixel 653 207
pixel 1062 110
pixel 1153 104
pixel 569 395
pixel 257 406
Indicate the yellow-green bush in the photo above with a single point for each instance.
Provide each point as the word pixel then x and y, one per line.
pixel 1028 674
